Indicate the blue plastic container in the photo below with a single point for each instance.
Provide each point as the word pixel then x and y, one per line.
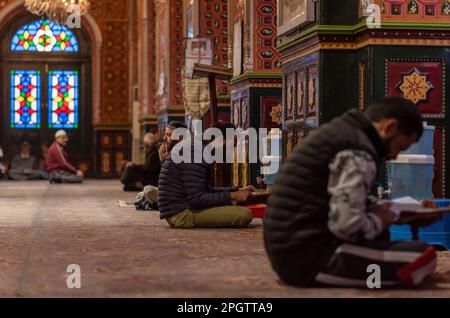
pixel 436 234
pixel 269 176
pixel 425 144
pixel 411 175
pixel 274 154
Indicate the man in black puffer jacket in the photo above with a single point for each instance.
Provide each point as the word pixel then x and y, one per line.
pixel 320 228
pixel 187 200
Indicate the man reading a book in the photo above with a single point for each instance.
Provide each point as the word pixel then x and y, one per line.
pixel 320 227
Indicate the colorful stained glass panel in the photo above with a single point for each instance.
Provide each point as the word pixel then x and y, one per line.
pixel 63 99
pixel 44 36
pixel 25 97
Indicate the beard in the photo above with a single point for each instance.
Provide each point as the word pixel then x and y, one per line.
pixel 387 144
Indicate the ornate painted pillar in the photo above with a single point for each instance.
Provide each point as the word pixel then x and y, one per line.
pixel 169 61
pixel 256 85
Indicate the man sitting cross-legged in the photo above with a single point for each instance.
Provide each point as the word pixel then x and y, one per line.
pixel 24 166
pixel 58 166
pixel 320 228
pixel 187 200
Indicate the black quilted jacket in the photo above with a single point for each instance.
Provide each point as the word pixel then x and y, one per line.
pixel 296 235
pixel 187 186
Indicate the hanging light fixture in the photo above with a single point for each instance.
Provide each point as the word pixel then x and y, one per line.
pixel 57 10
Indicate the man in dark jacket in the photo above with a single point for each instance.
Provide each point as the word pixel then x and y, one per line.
pixel 186 198
pixel 136 176
pixel 319 227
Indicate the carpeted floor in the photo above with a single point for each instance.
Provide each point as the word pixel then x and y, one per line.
pixel 125 253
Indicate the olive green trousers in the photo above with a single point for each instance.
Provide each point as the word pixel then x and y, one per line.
pixel 218 217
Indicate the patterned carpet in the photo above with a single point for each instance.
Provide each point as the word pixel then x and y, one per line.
pixel 124 253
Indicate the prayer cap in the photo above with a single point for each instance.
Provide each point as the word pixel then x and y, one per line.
pixel 60 133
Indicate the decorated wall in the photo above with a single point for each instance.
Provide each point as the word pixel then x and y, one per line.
pixel 213 24
pixel 104 90
pixel 265 55
pixel 112 17
pixel 346 64
pixel 169 60
pixel 256 99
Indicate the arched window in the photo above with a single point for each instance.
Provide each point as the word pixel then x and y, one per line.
pixel 44 36
pixel 45 85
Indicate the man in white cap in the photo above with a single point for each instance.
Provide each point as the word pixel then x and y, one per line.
pixel 58 166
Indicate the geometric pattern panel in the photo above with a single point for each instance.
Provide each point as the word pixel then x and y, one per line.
pixel 44 36
pixel 267 59
pixel 25 86
pixel 63 99
pixel 271 112
pixel 214 25
pixel 420 81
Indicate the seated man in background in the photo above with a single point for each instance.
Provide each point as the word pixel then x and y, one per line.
pixel 135 176
pixel 58 166
pixel 320 227
pixel 24 166
pixel 187 200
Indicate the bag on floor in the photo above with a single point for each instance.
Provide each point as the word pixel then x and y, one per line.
pixel 147 200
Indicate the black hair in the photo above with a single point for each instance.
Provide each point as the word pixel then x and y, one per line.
pixel 403 110
pixel 176 124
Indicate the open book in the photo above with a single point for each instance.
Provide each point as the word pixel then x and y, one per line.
pixel 410 206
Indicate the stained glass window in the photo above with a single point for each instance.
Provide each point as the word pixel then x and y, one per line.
pixel 25 99
pixel 63 99
pixel 44 36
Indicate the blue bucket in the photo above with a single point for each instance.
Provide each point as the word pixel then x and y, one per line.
pixel 411 175
pixel 425 145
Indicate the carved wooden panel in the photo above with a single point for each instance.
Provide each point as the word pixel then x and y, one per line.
pixel 271 112
pixel 114 148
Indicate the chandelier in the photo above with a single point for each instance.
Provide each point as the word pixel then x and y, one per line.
pixel 58 11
